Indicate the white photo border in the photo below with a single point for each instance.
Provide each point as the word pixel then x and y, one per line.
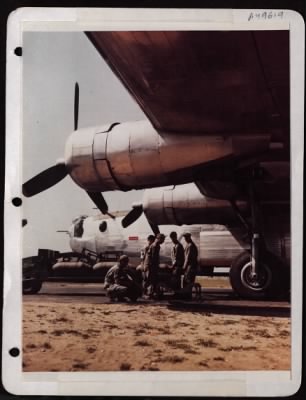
pixel 240 383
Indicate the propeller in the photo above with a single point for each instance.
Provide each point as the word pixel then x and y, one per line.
pixel 154 228
pixel 76 105
pixel 45 179
pixel 52 175
pixel 134 214
pixel 100 202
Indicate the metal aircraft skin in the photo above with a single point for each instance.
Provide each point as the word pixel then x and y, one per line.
pixel 217 246
pixel 217 104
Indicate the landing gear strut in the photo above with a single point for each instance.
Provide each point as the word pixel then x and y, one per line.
pixel 257 274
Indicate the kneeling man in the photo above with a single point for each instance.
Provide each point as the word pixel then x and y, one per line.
pixel 118 282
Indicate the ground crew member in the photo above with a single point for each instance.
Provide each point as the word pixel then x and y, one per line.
pixel 177 258
pixel 153 262
pixel 191 262
pixel 145 262
pixel 119 284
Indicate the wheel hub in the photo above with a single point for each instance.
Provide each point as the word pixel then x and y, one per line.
pixel 256 281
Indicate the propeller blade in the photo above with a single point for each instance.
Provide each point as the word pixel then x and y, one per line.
pixel 44 180
pixel 76 106
pixel 132 216
pixel 99 201
pixel 154 228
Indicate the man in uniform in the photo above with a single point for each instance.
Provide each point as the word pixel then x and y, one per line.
pixel 177 258
pixel 145 262
pixel 190 264
pixel 153 262
pixel 119 284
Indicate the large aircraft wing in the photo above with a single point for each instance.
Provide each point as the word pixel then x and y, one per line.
pixel 224 82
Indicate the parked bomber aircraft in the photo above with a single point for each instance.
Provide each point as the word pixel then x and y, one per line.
pixel 183 208
pixel 217 104
pixel 103 235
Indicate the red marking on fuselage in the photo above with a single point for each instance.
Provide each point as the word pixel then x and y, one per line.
pixel 133 237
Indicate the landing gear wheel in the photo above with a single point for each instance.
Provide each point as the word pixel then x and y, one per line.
pixel 268 283
pixel 31 286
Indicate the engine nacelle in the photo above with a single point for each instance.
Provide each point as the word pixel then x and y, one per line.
pixel 134 155
pixel 185 204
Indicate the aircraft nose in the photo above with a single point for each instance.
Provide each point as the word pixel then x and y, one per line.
pixel 71 230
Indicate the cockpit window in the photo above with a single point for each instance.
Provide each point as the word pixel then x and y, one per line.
pixel 103 226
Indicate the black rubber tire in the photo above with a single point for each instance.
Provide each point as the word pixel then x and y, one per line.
pixel 273 283
pixel 31 286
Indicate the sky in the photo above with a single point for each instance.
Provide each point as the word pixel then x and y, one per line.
pixel 52 63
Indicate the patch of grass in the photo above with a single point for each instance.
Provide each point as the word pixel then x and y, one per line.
pixel 263 333
pixel 85 336
pixel 190 351
pixel 47 346
pixel 91 349
pixel 111 326
pixel 31 346
pixel 172 359
pixel 105 312
pixel 140 331
pixel 203 363
pixel 231 348
pixel 145 325
pixel 91 331
pixel 85 311
pixel 185 346
pixel 125 366
pixel 181 324
pixel 247 337
pixel 60 332
pixel 62 319
pixel 219 358
pixel 179 344
pixel 206 343
pixel 142 342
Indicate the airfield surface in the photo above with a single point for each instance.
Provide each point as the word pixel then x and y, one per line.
pixel 74 327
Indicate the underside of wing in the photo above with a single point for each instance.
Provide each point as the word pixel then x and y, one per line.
pixel 205 82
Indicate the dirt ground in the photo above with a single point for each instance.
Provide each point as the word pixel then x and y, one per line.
pixel 113 337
